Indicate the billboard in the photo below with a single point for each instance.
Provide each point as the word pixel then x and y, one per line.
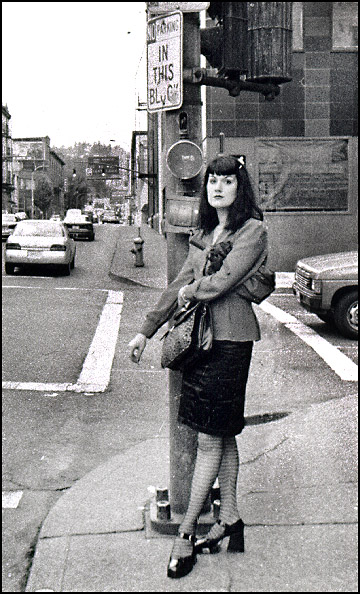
pixel 98 166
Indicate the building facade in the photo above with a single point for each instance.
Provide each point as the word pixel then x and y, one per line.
pixel 300 148
pixel 143 200
pixel 32 156
pixel 7 169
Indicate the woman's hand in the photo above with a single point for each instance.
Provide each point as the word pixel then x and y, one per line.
pixel 181 297
pixel 136 346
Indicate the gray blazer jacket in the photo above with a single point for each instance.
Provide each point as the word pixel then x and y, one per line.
pixel 233 315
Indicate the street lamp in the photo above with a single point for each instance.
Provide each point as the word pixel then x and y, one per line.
pixel 76 192
pixel 32 188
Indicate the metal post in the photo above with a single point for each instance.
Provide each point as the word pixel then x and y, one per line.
pixel 182 438
pixel 32 194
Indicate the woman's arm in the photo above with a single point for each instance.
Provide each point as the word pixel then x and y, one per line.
pixel 168 301
pixel 249 245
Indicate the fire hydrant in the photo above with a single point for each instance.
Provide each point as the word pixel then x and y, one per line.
pixel 138 250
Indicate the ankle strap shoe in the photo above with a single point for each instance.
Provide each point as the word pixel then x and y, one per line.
pixel 236 541
pixel 178 568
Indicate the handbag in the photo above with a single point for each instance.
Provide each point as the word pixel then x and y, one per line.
pixel 189 337
pixel 259 285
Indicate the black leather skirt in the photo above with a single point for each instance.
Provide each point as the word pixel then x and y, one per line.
pixel 213 391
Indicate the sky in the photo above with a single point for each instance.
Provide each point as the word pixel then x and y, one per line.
pixel 74 71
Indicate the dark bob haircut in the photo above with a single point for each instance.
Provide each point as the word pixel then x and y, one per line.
pixel 244 206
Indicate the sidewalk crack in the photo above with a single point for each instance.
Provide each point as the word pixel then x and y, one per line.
pixel 275 447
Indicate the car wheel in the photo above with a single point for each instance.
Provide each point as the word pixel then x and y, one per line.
pixel 65 269
pixel 326 317
pixel 72 263
pixel 92 237
pixel 9 268
pixel 346 314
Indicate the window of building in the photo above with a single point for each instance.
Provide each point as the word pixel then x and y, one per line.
pixel 345 26
pixel 303 174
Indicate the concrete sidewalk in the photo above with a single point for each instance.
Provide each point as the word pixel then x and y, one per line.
pixel 299 496
pixel 154 272
pixel 297 490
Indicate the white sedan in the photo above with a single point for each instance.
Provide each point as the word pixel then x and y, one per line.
pixel 45 243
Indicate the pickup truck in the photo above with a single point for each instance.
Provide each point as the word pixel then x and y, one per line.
pixel 327 286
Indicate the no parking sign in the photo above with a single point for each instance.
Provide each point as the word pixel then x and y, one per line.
pixel 165 62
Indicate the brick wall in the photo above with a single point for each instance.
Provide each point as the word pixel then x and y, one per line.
pixel 321 100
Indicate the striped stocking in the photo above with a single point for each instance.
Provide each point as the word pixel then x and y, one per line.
pixel 208 459
pixel 228 475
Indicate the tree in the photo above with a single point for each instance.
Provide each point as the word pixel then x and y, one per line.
pixel 43 193
pixel 76 191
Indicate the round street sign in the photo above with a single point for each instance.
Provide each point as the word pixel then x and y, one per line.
pixel 184 159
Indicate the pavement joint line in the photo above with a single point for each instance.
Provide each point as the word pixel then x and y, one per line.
pixel 344 367
pixel 265 452
pixel 43 387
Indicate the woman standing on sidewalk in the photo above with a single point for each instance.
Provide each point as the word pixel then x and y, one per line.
pixel 213 390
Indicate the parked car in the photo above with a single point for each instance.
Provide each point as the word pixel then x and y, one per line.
pixel 97 215
pixel 21 216
pixel 79 227
pixel 8 222
pixel 55 217
pixel 328 286
pixel 73 212
pixel 110 216
pixel 42 243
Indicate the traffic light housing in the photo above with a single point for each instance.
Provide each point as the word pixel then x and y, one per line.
pixel 251 40
pixel 225 44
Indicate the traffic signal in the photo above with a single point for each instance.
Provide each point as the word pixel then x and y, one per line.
pixel 225 44
pixel 250 39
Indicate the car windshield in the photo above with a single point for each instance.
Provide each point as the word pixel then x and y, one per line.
pixel 76 220
pixel 39 229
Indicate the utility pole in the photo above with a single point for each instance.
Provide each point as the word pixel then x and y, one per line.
pixel 181 195
pixel 182 439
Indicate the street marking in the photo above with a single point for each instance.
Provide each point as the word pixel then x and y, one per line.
pixel 344 367
pixel 36 386
pixel 96 370
pixel 97 365
pixel 284 280
pixel 39 288
pixel 11 499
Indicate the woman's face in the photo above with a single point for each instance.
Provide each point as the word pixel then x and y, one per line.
pixel 221 190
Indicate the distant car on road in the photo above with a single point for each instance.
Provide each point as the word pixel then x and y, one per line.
pixel 73 212
pixel 97 215
pixel 55 217
pixel 79 227
pixel 8 222
pixel 110 216
pixel 45 243
pixel 21 216
pixel 327 285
